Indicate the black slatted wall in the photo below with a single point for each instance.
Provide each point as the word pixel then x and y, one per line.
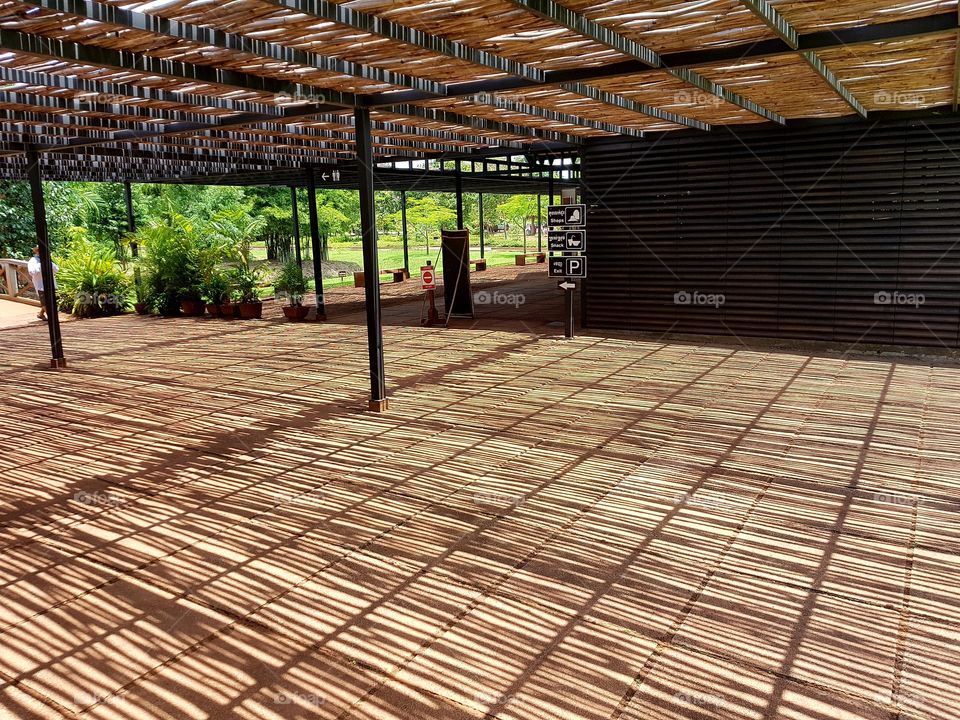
pixel 799 229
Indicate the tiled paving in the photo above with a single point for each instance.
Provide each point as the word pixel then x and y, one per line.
pixel 198 520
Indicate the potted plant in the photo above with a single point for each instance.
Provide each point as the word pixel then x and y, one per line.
pixel 246 281
pixel 292 285
pixel 230 309
pixel 216 292
pixel 172 277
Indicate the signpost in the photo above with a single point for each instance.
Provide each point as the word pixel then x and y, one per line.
pixel 568 216
pixel 567 240
pixel 428 283
pixel 567 235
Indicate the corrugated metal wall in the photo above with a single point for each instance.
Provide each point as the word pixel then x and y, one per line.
pixel 845 231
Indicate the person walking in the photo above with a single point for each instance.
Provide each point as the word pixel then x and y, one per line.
pixel 36 277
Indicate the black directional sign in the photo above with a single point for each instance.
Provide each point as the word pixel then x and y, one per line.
pixel 568 266
pixel 571 216
pixel 567 240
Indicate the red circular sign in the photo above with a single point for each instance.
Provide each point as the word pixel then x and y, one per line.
pixel 428 280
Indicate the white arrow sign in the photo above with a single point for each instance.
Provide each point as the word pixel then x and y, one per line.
pixel 567 286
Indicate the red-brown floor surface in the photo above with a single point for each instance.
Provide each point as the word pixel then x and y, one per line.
pixel 199 519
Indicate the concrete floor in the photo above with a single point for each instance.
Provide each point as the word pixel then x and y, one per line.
pixel 198 520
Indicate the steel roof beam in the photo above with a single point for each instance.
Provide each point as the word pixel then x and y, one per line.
pixel 112 15
pixel 577 22
pixel 73 52
pixel 477 123
pixel 554 116
pixel 103 90
pixel 619 101
pixel 376 25
pixel 779 24
pixel 822 40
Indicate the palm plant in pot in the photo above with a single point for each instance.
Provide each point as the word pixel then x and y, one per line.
pixel 216 291
pixel 292 285
pixel 246 281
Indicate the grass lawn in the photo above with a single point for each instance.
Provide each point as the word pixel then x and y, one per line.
pixel 392 257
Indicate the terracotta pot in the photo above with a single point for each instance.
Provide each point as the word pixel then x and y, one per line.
pixel 295 312
pixel 192 308
pixel 228 311
pixel 141 308
pixel 213 309
pixel 251 311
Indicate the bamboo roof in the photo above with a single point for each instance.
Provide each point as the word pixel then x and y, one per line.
pixel 168 88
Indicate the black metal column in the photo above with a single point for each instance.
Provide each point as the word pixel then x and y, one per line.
pixel 550 187
pixel 46 263
pixel 371 263
pixel 539 223
pixel 406 237
pixel 131 218
pixel 480 201
pixel 315 244
pixel 296 225
pixel 459 185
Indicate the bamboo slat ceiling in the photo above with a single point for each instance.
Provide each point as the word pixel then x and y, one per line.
pixel 230 86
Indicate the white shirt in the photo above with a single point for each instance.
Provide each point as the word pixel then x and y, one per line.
pixel 36 273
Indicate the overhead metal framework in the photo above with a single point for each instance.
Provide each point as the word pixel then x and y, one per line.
pixel 278 81
pixel 776 22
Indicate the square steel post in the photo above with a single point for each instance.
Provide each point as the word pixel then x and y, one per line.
pixel 131 218
pixel 459 185
pixel 371 263
pixel 296 224
pixel 480 200
pixel 315 243
pixel 406 237
pixel 46 263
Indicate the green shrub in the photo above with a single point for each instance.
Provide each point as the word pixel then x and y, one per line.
pixel 216 288
pixel 291 283
pixel 172 265
pixel 246 281
pixel 91 282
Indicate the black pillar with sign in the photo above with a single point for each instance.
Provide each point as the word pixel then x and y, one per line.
pixel 296 225
pixel 459 184
pixel 315 243
pixel 46 263
pixel 406 237
pixel 371 264
pixel 539 223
